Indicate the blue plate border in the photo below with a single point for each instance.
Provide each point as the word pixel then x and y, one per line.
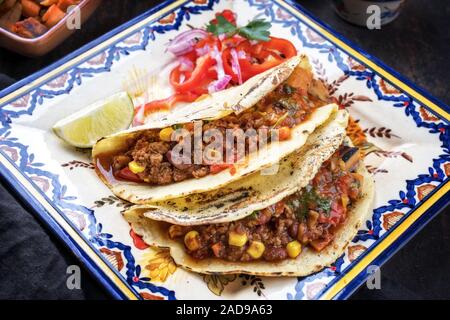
pixel 26 197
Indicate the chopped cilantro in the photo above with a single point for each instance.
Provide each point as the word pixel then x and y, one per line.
pixel 311 199
pixel 222 26
pixel 254 215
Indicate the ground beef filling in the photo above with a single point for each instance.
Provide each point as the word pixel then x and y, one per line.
pixel 309 218
pixel 282 109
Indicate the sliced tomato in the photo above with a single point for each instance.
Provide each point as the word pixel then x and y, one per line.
pixel 233 41
pixel 192 79
pixel 126 174
pixel 283 47
pixel 191 56
pixel 259 57
pixel 210 41
pixel 265 55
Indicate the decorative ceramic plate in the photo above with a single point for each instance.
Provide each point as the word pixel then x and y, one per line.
pixel 405 133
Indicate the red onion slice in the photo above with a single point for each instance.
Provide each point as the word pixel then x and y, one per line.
pixel 185 64
pixel 235 65
pixel 220 84
pixel 203 50
pixel 216 55
pixel 185 41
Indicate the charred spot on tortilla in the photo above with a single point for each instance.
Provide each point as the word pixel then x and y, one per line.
pixel 241 196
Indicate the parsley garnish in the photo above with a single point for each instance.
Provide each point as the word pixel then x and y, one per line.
pixel 255 30
pixel 310 198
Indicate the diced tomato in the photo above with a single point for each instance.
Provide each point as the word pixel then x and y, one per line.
pixel 216 248
pixel 126 174
pixel 279 207
pixel 337 213
pixel 350 184
pixel 320 244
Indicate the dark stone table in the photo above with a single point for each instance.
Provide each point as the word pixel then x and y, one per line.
pixel 33 263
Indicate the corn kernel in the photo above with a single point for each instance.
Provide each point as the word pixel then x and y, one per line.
pixel 237 239
pixel 256 249
pixel 135 167
pixel 166 134
pixel 191 240
pixel 175 231
pixel 294 248
pixel 345 200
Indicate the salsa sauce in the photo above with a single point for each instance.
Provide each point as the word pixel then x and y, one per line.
pixel 310 217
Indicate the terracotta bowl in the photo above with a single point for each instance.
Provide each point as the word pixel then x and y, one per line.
pixel 49 40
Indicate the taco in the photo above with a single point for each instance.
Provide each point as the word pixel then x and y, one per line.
pixel 285 103
pixel 258 190
pixel 305 230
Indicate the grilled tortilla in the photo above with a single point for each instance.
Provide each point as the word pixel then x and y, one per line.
pixel 259 190
pixel 147 186
pixel 312 258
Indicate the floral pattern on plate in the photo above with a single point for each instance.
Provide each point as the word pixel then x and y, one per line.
pixel 406 148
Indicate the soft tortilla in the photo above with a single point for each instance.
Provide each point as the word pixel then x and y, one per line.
pixel 155 233
pixel 257 191
pixel 238 100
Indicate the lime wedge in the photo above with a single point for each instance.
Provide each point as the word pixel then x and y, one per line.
pixel 83 128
